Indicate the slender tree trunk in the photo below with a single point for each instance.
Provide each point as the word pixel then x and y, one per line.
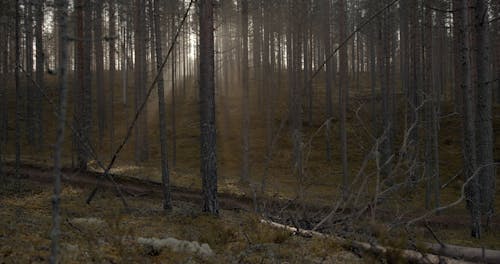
pixel 373 74
pixel 457 60
pixel 62 83
pixel 469 143
pixel 78 88
pixel 404 48
pixel 484 125
pixel 207 108
pixel 30 113
pixel 165 177
pixel 86 118
pixel 328 75
pixel 431 91
pixel 141 146
pixel 414 89
pixel 245 95
pixel 173 71
pixel 124 65
pixel 343 97
pixel 496 48
pixel 256 48
pixel 18 88
pixel 40 71
pixel 99 63
pixel 5 79
pixel 83 96
pixel 266 71
pixel 112 69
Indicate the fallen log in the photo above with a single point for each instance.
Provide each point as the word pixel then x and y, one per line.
pixel 437 254
pixel 469 253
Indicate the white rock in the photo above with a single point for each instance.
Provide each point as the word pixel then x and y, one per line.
pixel 177 245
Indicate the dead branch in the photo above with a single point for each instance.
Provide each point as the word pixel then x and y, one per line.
pixel 455 203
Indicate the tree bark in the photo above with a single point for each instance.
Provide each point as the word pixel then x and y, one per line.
pixel 62 83
pixel 18 88
pixel 469 143
pixel 40 71
pixel 99 64
pixel 30 113
pixel 328 75
pixel 245 169
pixel 207 108
pixel 343 97
pixel 484 125
pixel 141 138
pixel 165 174
pixel 457 61
pixel 112 69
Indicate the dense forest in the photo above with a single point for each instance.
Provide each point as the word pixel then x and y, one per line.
pixel 249 131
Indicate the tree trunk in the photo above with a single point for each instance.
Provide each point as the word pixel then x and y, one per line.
pixel 86 118
pixel 469 143
pixel 112 69
pixel 40 71
pixel 457 60
pixel 61 10
pixel 496 6
pixel 141 142
pixel 414 89
pixel 328 75
pixel 207 108
pixel 245 170
pixel 431 161
pixel 18 88
pixel 99 63
pixel 165 177
pixel 343 97
pixel 30 113
pixel 173 71
pixel 484 125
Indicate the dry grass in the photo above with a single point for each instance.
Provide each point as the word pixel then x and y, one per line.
pixel 111 236
pixel 322 178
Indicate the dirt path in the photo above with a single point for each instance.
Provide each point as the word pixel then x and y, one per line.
pixel 133 187
pixel 129 186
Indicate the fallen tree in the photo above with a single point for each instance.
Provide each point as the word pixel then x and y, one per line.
pixel 436 253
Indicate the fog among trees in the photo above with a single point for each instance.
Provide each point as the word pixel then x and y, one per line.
pixel 249 131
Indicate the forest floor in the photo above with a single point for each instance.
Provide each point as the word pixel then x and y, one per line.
pixel 104 232
pixel 318 190
pixel 107 232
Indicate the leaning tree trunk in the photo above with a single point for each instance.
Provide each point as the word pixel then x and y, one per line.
pixel 207 108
